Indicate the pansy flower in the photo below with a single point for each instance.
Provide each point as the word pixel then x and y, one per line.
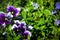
pixel 57 22
pixel 35 5
pixel 3 19
pixel 57 5
pixel 20 28
pixel 13 10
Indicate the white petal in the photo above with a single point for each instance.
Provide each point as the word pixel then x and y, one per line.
pixel 1 12
pixel 4 25
pixel 4 33
pixel 14 26
pixel 35 5
pixel 30 27
pixel 23 22
pixel 17 21
pixel 18 9
pixel 9 15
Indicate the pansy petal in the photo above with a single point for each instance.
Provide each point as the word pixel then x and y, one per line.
pixel 27 33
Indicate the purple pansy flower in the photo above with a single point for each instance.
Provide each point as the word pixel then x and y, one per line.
pixel 57 22
pixel 3 19
pixel 15 28
pixel 20 28
pixel 57 5
pixel 13 10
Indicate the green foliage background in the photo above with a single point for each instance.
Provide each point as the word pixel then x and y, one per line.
pixel 42 20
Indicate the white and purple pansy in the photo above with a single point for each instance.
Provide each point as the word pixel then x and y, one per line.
pixel 3 19
pixel 19 26
pixel 13 10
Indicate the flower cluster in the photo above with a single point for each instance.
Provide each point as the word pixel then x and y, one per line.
pixel 56 11
pixel 21 28
pixel 18 27
pixel 5 18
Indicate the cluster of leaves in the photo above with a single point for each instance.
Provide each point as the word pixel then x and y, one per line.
pixel 41 19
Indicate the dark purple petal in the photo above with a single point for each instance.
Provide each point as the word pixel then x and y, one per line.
pixel 2 18
pixel 8 22
pixel 17 23
pixel 22 24
pixel 26 33
pixel 15 28
pixel 57 5
pixel 10 9
pixel 22 28
pixel 16 12
pixel 1 22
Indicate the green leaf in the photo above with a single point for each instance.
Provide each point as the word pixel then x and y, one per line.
pixel 47 12
pixel 28 37
pixel 41 21
pixel 42 27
